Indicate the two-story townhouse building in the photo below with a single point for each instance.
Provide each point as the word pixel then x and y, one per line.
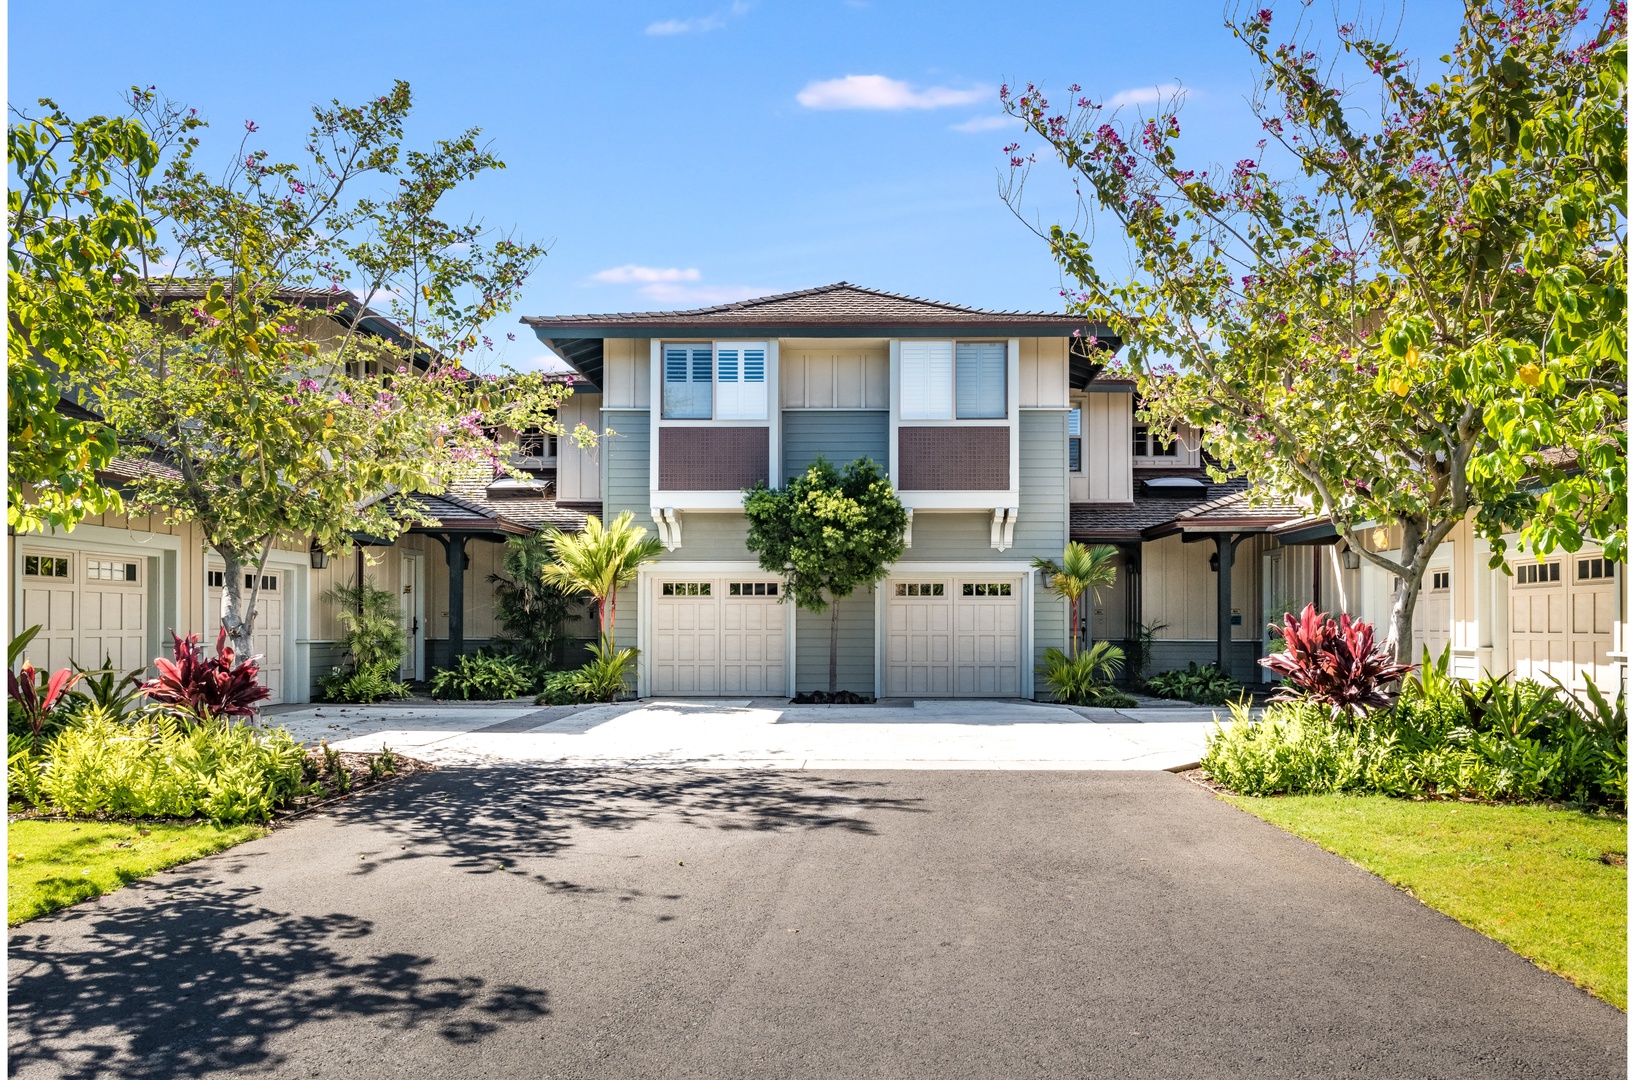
pixel 968 411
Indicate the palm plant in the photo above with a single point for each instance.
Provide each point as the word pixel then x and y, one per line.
pixel 600 561
pixel 374 624
pixel 530 610
pixel 1082 569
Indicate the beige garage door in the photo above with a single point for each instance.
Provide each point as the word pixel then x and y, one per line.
pixel 954 637
pixel 1538 620
pixel 268 638
pixel 1592 599
pixel 90 608
pixel 714 636
pixel 1433 615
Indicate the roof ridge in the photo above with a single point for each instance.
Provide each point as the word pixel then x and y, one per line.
pixel 749 304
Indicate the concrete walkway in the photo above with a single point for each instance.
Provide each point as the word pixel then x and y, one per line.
pixel 769 733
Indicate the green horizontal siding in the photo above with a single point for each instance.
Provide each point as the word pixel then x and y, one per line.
pixel 856 652
pixel 840 435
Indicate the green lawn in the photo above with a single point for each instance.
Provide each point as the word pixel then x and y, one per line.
pixel 1529 877
pixel 52 864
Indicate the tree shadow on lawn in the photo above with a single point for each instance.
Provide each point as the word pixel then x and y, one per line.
pixel 483 817
pixel 202 981
pixel 196 975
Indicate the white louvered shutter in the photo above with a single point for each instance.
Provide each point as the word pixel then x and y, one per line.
pixel 979 380
pixel 926 380
pixel 740 376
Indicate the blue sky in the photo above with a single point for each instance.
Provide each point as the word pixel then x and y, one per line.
pixel 683 152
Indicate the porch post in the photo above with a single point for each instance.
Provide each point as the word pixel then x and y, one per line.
pixel 1225 547
pixel 454 547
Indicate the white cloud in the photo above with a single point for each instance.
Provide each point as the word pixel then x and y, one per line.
pixel 988 123
pixel 670 27
pixel 1146 95
pixel 879 92
pixel 631 274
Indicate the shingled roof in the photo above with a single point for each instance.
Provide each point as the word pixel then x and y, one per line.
pixel 838 310
pixel 1225 507
pixel 841 303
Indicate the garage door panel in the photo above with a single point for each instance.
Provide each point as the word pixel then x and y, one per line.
pixel 953 637
pixel 709 641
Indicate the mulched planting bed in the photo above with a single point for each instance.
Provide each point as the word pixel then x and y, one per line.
pixel 356 767
pixel 823 697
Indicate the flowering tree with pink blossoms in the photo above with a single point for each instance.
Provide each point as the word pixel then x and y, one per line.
pixel 1407 305
pixel 259 385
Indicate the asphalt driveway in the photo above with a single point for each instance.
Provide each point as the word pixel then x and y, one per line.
pixel 512 920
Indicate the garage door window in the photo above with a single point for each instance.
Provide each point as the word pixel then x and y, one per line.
pixel 990 588
pixel 107 570
pixel 45 566
pixel 915 588
pixel 1592 569
pixel 752 588
pixel 1538 573
pixel 686 588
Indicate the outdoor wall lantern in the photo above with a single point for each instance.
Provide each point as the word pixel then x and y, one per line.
pixel 319 557
pixel 1215 562
pixel 1350 559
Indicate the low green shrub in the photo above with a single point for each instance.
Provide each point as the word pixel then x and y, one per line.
pixel 484 678
pixel 603 677
pixel 1493 741
pixel 1199 685
pixel 98 766
pixel 558 689
pixel 1083 679
pixel 365 686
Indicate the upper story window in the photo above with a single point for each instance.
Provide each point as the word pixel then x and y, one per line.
pixel 536 444
pixel 1075 440
pixel 726 380
pixel 1153 444
pixel 949 380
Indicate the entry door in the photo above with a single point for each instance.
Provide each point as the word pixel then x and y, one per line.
pixel 412 608
pixel 267 639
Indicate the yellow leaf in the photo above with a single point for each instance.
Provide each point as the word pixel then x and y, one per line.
pixel 1412 355
pixel 1399 387
pixel 252 344
pixel 1529 374
pixel 426 290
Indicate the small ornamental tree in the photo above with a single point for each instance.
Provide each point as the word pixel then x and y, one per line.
pixel 827 533
pixel 258 378
pixel 69 283
pixel 1407 307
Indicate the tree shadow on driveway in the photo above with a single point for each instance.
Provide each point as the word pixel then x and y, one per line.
pixel 482 817
pixel 202 981
pixel 199 971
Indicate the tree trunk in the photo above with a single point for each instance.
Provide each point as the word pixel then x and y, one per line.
pixel 235 618
pixel 834 645
pixel 1399 640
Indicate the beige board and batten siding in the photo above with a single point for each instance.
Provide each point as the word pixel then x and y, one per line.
pixel 1104 455
pixel 578 469
pixel 834 374
pixel 1042 373
pixel 1178 588
pixel 627 373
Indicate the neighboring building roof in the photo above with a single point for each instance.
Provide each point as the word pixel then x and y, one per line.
pixel 838 310
pixel 535 513
pixel 454 514
pixel 1225 507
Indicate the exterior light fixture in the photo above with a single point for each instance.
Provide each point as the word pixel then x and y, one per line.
pixel 319 557
pixel 1350 559
pixel 1215 562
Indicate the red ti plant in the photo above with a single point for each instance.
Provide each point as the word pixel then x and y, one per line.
pixel 206 687
pixel 38 700
pixel 1333 663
